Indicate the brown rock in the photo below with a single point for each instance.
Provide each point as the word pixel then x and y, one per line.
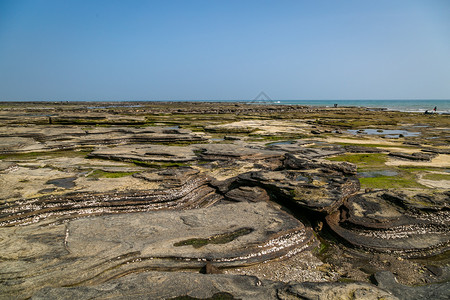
pixel 209 268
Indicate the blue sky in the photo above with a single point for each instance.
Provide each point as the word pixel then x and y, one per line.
pixel 172 50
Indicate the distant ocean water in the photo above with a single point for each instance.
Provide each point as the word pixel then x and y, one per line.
pixel 443 106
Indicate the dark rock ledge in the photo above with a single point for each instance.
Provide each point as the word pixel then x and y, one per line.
pixel 316 185
pixel 417 156
pixel 413 224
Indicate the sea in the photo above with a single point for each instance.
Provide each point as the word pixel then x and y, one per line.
pixel 442 106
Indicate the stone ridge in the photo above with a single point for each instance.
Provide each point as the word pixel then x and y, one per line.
pixel 107 247
pixel 191 191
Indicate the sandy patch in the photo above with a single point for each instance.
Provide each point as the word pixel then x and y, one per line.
pixel 444 184
pixel 126 183
pixel 403 150
pixel 269 126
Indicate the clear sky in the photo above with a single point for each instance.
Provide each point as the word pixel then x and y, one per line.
pixel 224 49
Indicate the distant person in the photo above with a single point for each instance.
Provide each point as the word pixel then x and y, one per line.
pixel 335 105
pixel 435 108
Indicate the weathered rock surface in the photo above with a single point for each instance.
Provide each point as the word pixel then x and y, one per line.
pixel 234 152
pixel 4 165
pixel 247 193
pixel 437 150
pixel 297 162
pixel 312 153
pixel 183 188
pixel 146 153
pixel 419 156
pixel 325 291
pixel 310 189
pixel 160 285
pixel 105 247
pixel 361 149
pixel 18 144
pixel 26 139
pixel 317 185
pixel 413 224
pixel 300 147
pixel 108 226
pixel 387 281
pixel 17 182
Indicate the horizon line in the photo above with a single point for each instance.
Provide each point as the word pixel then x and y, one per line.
pixel 227 100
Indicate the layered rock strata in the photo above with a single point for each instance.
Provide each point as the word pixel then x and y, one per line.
pixel 146 153
pixel 184 188
pixel 219 152
pixel 106 247
pixel 411 224
pixel 111 225
pixel 316 185
pixel 26 139
pixel 161 285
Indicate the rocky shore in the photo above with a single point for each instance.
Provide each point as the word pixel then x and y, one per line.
pixel 162 200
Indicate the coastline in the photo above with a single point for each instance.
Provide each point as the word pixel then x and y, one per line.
pixel 281 192
pixel 414 106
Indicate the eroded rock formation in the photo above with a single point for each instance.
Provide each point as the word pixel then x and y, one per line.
pixel 183 188
pixel 160 285
pixel 105 247
pixel 105 203
pixel 412 224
